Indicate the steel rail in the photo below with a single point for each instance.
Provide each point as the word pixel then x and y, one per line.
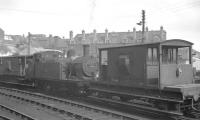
pixel 5 118
pixel 23 116
pixel 104 113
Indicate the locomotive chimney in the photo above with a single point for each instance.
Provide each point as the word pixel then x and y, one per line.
pixel 83 36
pixel 71 53
pixel 86 50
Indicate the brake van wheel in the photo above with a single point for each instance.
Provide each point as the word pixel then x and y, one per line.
pixel 124 99
pixel 47 87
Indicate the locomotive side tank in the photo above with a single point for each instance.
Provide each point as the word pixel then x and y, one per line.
pixel 155 75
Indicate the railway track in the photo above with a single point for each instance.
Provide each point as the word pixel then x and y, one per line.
pixel 70 108
pixel 192 115
pixel 184 118
pixel 141 112
pixel 5 118
pixel 15 113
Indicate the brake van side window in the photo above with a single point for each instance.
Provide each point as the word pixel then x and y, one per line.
pixel 104 57
pixel 124 64
pixel 169 55
pixel 152 56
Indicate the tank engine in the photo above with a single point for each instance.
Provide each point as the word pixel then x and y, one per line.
pixel 51 71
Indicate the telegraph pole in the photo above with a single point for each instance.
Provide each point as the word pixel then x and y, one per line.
pixel 29 43
pixel 143 26
pixel 142 23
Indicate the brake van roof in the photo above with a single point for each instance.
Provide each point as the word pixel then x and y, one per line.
pixel 171 42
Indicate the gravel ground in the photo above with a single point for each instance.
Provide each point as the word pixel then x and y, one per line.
pixel 31 110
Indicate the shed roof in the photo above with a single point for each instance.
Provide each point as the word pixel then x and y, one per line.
pixel 171 42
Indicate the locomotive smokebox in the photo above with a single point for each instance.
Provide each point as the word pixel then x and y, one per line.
pixel 86 50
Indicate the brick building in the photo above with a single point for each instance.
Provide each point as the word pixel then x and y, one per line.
pixel 118 37
pixel 96 40
pixel 1 34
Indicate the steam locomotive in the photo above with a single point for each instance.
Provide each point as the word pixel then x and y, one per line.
pixel 50 70
pixel 156 76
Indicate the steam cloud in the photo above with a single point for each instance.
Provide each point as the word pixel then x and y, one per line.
pixel 93 6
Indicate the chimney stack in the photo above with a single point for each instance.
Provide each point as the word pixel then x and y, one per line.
pixel 134 35
pixel 71 36
pixel 162 34
pixel 146 35
pixel 106 36
pixel 95 35
pixel 161 28
pixel 83 34
pixel 29 43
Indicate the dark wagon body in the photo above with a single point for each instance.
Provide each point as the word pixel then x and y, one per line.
pixel 13 69
pixel 147 65
pixel 157 74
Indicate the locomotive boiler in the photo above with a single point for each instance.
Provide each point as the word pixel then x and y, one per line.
pixel 84 67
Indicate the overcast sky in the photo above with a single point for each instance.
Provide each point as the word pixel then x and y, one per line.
pixel 180 18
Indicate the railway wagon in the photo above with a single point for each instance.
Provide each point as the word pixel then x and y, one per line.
pixel 157 76
pixel 13 69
